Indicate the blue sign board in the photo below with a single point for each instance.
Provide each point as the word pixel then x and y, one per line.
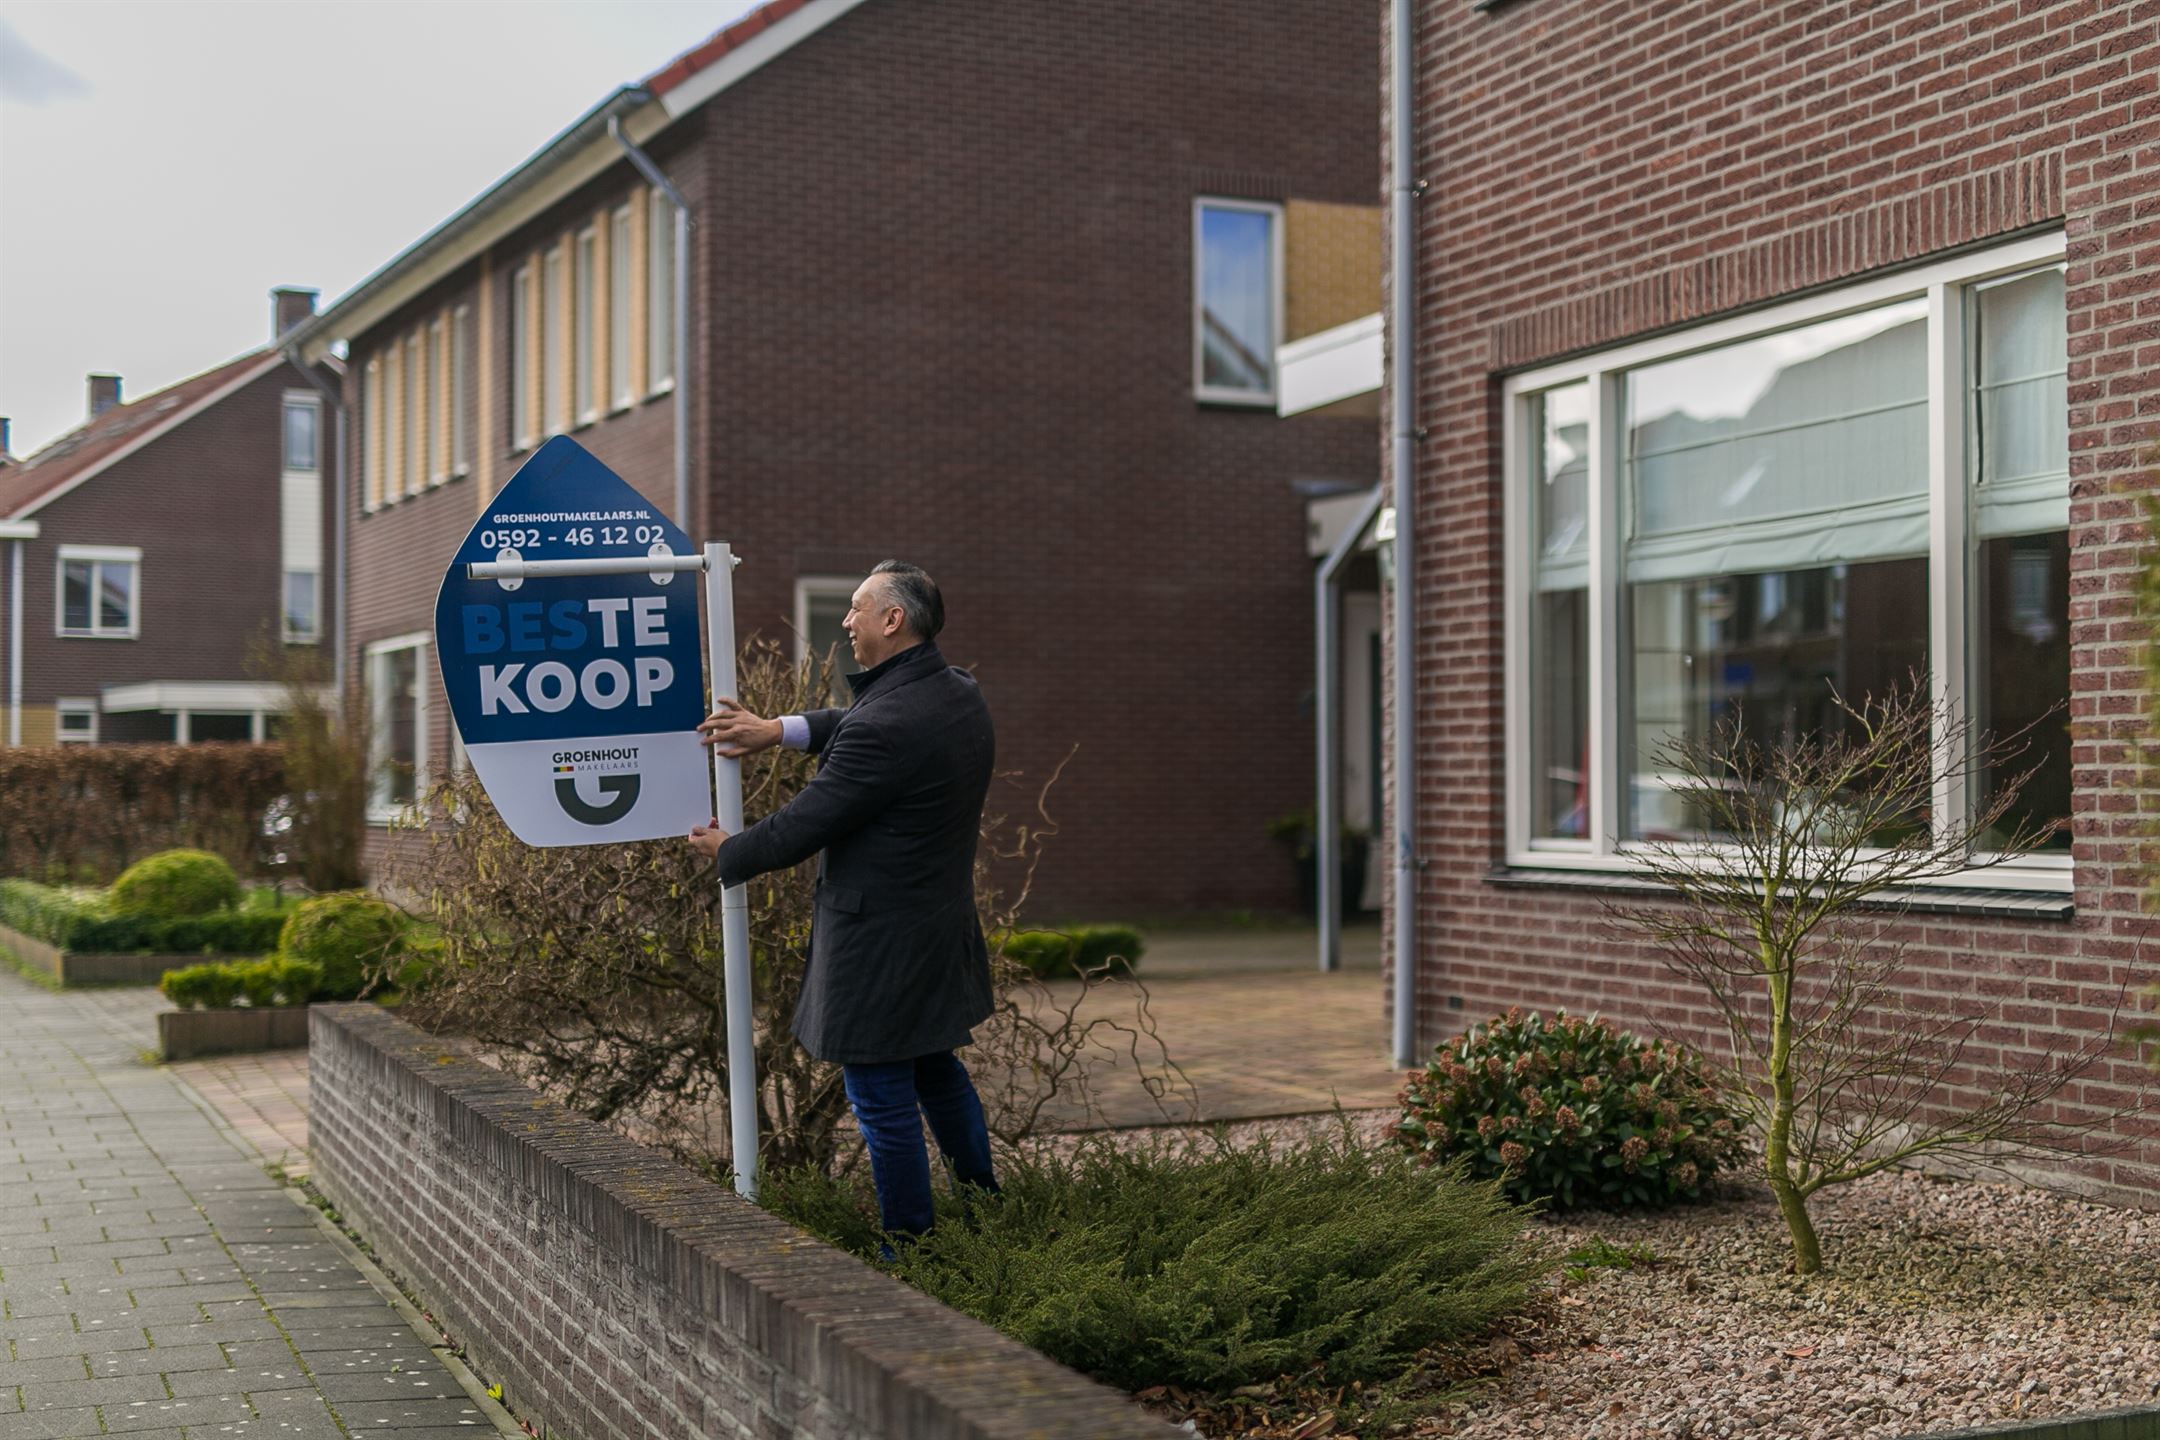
pixel 578 697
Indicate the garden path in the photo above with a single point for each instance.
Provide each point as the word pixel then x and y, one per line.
pixel 155 1280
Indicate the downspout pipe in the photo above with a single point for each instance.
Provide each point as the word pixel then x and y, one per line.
pixel 335 396
pixel 17 540
pixel 656 178
pixel 1402 269
pixel 1327 703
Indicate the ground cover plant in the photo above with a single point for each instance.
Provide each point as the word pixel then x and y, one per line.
pixel 1572 1112
pixel 1198 1264
pixel 1070 953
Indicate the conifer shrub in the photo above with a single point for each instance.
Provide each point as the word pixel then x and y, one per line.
pixel 1200 1265
pixel 1573 1113
pixel 354 939
pixel 176 884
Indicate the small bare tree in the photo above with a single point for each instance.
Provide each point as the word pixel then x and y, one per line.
pixel 1787 914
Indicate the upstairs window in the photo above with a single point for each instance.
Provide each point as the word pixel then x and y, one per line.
pixel 303 422
pixel 521 367
pixel 554 338
pixel 660 294
pixel 620 394
pixel 461 350
pixel 1237 300
pixel 583 398
pixel 99 596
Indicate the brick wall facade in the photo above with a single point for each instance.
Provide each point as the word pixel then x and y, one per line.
pixel 201 502
pixel 1601 171
pixel 943 311
pixel 614 1294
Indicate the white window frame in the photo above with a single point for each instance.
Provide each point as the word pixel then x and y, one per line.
pixel 584 343
pixel 97 555
pixel 659 299
pixel 413 416
pixel 461 417
pixel 524 319
pixel 371 436
pixel 438 404
pixel 75 707
pixel 809 587
pixel 380 809
pixel 1215 394
pixel 622 266
pixel 1944 285
pixel 555 303
pixel 300 400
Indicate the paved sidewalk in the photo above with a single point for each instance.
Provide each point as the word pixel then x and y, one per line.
pixel 154 1281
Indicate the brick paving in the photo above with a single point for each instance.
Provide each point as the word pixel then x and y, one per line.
pixel 154 1280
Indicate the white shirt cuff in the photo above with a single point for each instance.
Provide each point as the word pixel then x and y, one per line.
pixel 794 732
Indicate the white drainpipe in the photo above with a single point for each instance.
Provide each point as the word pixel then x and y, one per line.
pixel 1402 410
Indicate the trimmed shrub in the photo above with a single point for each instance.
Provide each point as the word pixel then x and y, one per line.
pixel 1200 1265
pixel 176 883
pixel 352 937
pixel 262 984
pixel 1063 954
pixel 84 921
pixel 1574 1113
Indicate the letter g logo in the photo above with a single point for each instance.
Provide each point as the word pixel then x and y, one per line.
pixel 621 790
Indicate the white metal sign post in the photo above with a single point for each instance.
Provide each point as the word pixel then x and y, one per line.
pixel 602 695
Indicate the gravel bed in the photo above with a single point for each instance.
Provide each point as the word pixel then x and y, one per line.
pixel 1942 1303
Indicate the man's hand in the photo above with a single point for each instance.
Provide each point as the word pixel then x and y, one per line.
pixel 735 732
pixel 707 839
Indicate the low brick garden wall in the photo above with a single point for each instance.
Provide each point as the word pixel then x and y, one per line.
pixel 613 1293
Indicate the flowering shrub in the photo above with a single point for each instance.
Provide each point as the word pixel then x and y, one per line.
pixel 1573 1112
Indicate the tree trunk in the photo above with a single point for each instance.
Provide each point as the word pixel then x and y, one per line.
pixel 1777 1145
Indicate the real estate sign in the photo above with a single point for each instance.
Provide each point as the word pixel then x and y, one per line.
pixel 578 696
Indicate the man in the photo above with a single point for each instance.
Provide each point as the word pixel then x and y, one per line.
pixel 899 974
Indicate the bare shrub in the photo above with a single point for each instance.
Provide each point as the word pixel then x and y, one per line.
pixel 597 971
pixel 1794 925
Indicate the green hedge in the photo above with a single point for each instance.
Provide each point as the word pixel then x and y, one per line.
pixel 1061 954
pixel 85 921
pixel 175 883
pixel 84 813
pixel 262 984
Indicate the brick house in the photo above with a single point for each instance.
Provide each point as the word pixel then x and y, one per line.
pixel 155 553
pixel 1756 347
pixel 994 288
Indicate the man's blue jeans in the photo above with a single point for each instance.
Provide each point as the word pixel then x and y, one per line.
pixel 891 1101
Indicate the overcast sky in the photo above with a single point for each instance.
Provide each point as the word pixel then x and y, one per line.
pixel 163 165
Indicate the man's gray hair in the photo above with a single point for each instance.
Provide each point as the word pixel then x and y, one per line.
pixel 911 588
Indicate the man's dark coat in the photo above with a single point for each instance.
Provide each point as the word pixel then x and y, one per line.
pixel 898 967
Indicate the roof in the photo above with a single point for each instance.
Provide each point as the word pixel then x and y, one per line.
pixel 590 146
pixel 728 38
pixel 26 485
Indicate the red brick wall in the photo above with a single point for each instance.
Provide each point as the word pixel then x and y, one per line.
pixel 202 503
pixel 1599 171
pixel 943 313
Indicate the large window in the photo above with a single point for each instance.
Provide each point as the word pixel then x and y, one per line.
pixel 1237 300
pixel 397 704
pixel 99 594
pixel 554 374
pixel 1738 523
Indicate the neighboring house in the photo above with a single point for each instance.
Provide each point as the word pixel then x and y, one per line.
pixel 157 555
pixel 1760 349
pixel 990 287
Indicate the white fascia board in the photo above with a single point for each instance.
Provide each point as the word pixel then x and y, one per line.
pixel 227 695
pixel 18 529
pixel 1333 365
pixel 154 433
pixel 753 55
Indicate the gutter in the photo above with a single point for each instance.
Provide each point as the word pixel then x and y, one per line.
pixel 658 179
pixel 335 396
pixel 1403 191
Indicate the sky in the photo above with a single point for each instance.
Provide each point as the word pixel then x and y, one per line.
pixel 164 165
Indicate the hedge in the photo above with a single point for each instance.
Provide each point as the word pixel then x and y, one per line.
pixel 75 920
pixel 83 813
pixel 1060 954
pixel 263 984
